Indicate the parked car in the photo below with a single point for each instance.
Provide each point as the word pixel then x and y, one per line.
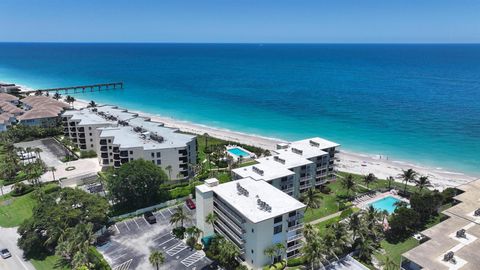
pixel 5 253
pixel 150 217
pixel 190 204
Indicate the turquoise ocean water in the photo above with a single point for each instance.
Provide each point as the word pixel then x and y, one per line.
pixel 418 103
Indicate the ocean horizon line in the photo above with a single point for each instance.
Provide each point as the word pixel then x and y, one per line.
pixel 239 43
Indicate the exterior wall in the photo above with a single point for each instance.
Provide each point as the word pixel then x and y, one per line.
pixel 84 136
pixel 41 122
pixel 3 127
pixel 204 203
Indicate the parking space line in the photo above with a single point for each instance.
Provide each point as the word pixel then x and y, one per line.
pixel 125 222
pixel 117 228
pixel 195 257
pixel 123 266
pixel 120 256
pixel 146 221
pixel 176 249
pixel 170 211
pixel 135 220
pixel 164 242
pixel 162 214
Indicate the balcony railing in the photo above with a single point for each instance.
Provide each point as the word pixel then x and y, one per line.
pixel 295 227
pixel 294 237
pixel 224 217
pixel 294 247
pixel 227 211
pixel 103 148
pixel 295 217
pixel 229 232
pixel 239 246
pixel 288 190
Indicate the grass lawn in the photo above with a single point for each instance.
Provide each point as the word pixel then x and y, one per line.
pixel 379 184
pixel 394 251
pixel 50 262
pixel 14 210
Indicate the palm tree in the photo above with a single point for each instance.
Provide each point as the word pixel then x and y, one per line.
pixel 156 258
pixel 270 252
pixel 194 233
pixel 354 224
pixel 179 216
pixel 38 93
pixel 348 183
pixel 309 231
pixel 314 252
pixel 92 104
pixel 369 178
pixel 390 180
pixel 206 139
pixel 38 151
pixel 312 199
pixel 211 218
pixel 408 176
pixel 169 169
pixel 365 249
pixel 423 182
pixel 228 252
pixel 57 96
pixel 53 170
pixel 279 249
pixel 389 264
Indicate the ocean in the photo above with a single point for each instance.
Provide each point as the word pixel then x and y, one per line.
pixel 418 103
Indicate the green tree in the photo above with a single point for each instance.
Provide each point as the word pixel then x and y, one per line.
pixel 228 254
pixel 73 245
pixel 390 181
pixel 408 176
pixel 57 96
pixel 312 199
pixel 315 252
pixel 270 252
pixel 348 183
pixel 179 216
pixel 369 178
pixel 403 222
pixel 156 258
pixel 422 182
pixel 211 218
pixel 194 233
pixel 135 184
pixel 92 104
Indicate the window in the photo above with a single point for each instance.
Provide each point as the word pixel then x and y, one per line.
pixel 90 128
pixel 277 229
pixel 91 145
pixel 90 134
pixel 109 147
pixel 158 154
pixel 291 214
pixel 252 251
pixel 109 141
pixel 131 152
pixel 159 161
pixel 277 219
pixel 253 231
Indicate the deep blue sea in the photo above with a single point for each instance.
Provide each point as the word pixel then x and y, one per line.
pixel 417 103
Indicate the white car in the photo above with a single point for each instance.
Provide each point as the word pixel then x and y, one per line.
pixel 5 253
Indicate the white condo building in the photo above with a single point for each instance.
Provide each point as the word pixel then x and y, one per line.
pixel 253 215
pixel 294 167
pixel 118 136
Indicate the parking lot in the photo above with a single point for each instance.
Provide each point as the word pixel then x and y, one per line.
pixel 133 240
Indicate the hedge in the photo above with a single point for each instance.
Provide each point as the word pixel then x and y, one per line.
pixel 97 259
pixel 296 261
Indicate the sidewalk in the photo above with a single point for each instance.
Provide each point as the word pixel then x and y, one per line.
pixel 325 218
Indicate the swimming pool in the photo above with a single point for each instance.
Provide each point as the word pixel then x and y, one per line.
pixel 387 203
pixel 238 152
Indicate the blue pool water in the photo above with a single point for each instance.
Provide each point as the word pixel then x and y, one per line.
pixel 418 103
pixel 238 152
pixel 387 203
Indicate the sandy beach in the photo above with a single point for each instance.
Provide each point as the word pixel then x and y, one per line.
pixel 346 161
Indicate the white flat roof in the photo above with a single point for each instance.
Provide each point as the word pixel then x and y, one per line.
pixel 86 117
pixel 307 149
pixel 322 143
pixel 271 170
pixel 280 202
pixel 291 159
pixel 119 113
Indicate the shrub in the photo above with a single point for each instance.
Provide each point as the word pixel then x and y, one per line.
pixel 296 261
pixel 88 154
pixel 325 189
pixel 448 194
pixel 20 189
pixel 179 232
pixel 99 263
pixel 179 192
pixel 198 246
pixel 276 266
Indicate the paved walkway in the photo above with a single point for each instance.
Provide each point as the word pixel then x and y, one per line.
pixel 325 218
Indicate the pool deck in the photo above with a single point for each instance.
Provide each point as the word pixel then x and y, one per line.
pixel 392 193
pixel 250 154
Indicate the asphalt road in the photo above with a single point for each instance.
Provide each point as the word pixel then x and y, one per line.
pixel 8 239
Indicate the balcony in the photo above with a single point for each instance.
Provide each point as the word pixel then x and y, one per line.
pixel 72 123
pixel 294 237
pixel 229 232
pixel 182 152
pixel 73 135
pixel 82 141
pixel 103 142
pixel 294 247
pixel 288 190
pixel 226 219
pixel 116 150
pixel 72 129
pixel 295 217
pixel 295 227
pixel 228 212
pixel 81 135
pixel 64 119
pixel 124 160
pixel 305 186
pixel 116 156
pixel 103 148
pixel 117 164
pixel 123 153
pixel 81 129
pixel 239 246
pixel 183 159
pixel 104 155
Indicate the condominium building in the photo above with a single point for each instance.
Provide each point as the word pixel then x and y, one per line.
pixel 253 215
pixel 81 127
pixel 118 136
pixel 172 151
pixel 294 167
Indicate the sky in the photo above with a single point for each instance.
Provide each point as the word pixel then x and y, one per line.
pixel 241 21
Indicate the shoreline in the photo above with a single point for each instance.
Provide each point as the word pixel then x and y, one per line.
pixel 347 161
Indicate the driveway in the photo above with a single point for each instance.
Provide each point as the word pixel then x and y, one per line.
pixel 52 152
pixel 130 246
pixel 8 239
